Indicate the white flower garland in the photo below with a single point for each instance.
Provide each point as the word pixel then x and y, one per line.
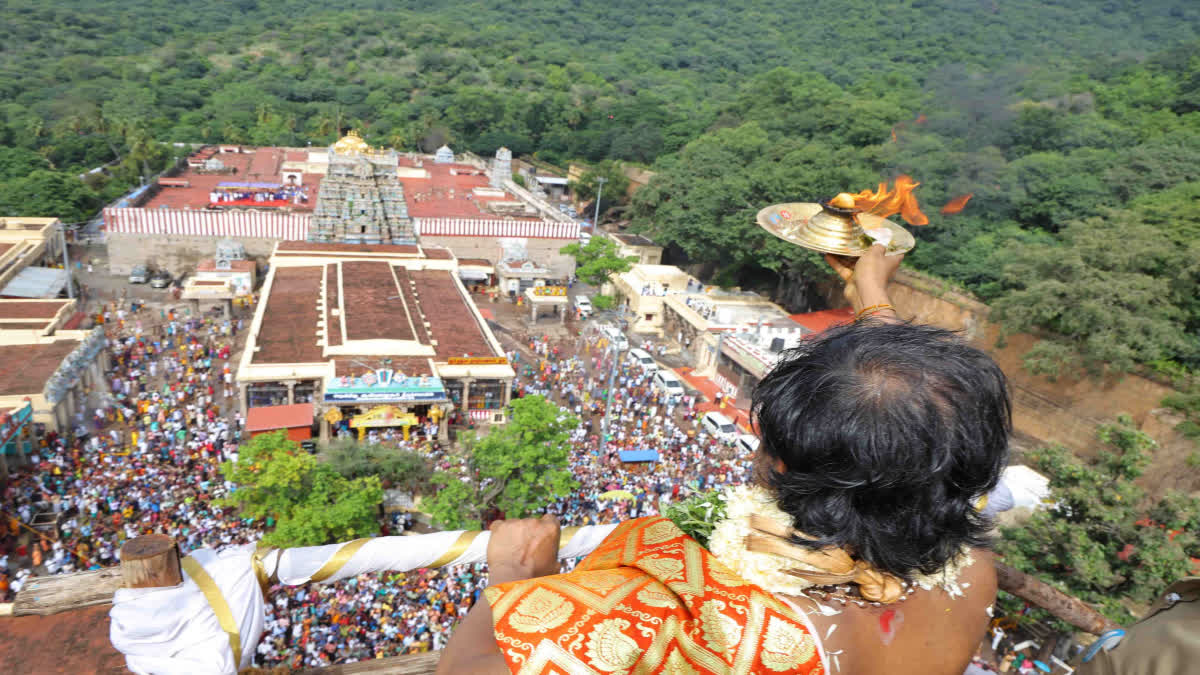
pixel 767 569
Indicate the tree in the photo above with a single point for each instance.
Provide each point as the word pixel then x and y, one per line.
pixel 1115 291
pixel 595 262
pixel 310 502
pixel 1102 540
pixel 47 193
pixel 515 470
pixel 404 470
pixel 616 184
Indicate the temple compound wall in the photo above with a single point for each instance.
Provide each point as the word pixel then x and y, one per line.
pixel 174 253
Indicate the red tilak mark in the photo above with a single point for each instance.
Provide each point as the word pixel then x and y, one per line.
pixel 885 620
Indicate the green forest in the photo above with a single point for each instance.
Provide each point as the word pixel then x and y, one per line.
pixel 1075 125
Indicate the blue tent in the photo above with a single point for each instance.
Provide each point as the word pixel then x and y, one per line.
pixel 639 455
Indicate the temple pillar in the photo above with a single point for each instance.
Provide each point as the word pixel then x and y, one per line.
pixel 466 398
pixel 291 385
pixel 324 434
pixel 243 397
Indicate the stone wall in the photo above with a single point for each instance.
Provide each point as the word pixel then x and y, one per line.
pixel 175 253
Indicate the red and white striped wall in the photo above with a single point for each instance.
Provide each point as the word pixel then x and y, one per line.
pixel 479 227
pixel 287 227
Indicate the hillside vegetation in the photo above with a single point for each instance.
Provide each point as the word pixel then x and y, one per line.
pixel 1076 125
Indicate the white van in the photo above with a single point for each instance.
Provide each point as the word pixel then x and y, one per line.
pixel 718 426
pixel 642 358
pixel 666 382
pixel 583 305
pixel 615 336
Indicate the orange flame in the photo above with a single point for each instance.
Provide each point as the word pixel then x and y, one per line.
pixel 894 134
pixel 884 202
pixel 957 204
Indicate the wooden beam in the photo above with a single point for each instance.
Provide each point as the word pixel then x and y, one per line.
pixel 1068 608
pixel 410 664
pixel 150 561
pixel 60 592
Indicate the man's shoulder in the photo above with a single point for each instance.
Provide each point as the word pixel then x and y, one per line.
pixel 1165 640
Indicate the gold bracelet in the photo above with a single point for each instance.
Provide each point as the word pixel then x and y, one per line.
pixel 873 309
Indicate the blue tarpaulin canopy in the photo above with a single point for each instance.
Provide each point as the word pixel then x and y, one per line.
pixel 639 455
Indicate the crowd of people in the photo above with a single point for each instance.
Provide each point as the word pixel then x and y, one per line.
pixel 147 457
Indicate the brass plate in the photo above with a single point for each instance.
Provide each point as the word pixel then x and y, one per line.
pixel 806 224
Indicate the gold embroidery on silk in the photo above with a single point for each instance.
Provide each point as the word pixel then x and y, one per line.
pixel 785 646
pixel 676 665
pixel 644 616
pixel 541 611
pixel 664 530
pixel 663 569
pixel 609 648
pixel 656 595
pixel 720 632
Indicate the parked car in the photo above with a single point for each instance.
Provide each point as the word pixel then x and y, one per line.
pixel 642 358
pixel 719 426
pixel 668 383
pixel 747 444
pixel 584 305
pixel 615 336
pixel 585 238
pixel 160 279
pixel 139 274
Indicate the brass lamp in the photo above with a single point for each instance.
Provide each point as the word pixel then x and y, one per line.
pixel 831 228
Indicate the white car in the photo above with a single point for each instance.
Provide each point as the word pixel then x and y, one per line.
pixel 642 358
pixel 668 383
pixel 615 336
pixel 747 444
pixel 718 426
pixel 139 274
pixel 585 238
pixel 583 305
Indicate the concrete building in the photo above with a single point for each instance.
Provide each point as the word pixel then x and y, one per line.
pixel 372 336
pixel 643 289
pixel 31 258
pixel 637 246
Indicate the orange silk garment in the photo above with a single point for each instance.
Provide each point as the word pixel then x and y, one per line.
pixel 648 600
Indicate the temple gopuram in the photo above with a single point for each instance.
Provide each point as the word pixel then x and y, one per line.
pixel 361 201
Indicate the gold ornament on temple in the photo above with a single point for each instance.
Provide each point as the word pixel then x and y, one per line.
pixel 351 144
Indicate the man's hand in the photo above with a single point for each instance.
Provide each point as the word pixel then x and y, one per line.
pixel 522 549
pixel 866 277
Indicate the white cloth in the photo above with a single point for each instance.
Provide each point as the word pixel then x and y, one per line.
pixel 295 566
pixel 174 630
pixel 164 631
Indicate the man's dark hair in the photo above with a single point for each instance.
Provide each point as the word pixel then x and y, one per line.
pixel 889 433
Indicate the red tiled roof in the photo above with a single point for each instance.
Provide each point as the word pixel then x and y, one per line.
pixel 448 192
pixel 24 369
pixel 279 417
pixel 437 253
pixel 289 322
pixel 480 262
pixel 304 247
pixel 264 165
pixel 75 641
pixel 453 325
pixel 234 265
pixel 415 308
pixel 372 311
pixel 413 366
pixel 824 320
pixel 4 248
pixel 39 309
pixel 28 325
